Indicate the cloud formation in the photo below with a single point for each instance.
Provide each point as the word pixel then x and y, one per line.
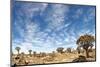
pixel 46 26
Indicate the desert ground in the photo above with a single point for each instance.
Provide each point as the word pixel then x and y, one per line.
pixel 53 57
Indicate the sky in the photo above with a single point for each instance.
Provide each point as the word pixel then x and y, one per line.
pixel 43 27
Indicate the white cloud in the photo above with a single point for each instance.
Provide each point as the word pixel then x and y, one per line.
pixel 40 41
pixel 56 16
pixel 78 13
pixel 47 40
pixel 91 15
pixel 31 9
pixel 31 29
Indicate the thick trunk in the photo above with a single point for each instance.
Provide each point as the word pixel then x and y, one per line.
pixel 18 52
pixel 30 54
pixel 87 53
pixel 78 51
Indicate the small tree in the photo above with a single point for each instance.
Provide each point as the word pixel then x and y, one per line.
pixel 85 42
pixel 30 51
pixel 69 50
pixel 22 54
pixel 43 54
pixel 34 53
pixel 18 49
pixel 53 54
pixel 60 50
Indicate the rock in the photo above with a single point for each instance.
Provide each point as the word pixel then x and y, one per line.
pixel 80 59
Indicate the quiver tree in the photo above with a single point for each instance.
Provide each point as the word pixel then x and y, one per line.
pixel 42 54
pixel 69 50
pixel 60 50
pixel 85 42
pixel 34 53
pixel 18 49
pixel 22 55
pixel 30 51
pixel 53 54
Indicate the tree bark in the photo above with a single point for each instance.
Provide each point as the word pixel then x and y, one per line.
pixel 87 53
pixel 18 52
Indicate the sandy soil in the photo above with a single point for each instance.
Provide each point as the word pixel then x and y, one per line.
pixel 56 58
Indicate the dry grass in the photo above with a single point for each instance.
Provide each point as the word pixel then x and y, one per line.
pixel 56 58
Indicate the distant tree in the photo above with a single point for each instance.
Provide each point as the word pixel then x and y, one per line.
pixel 18 49
pixel 30 51
pixel 60 50
pixel 78 49
pixel 53 54
pixel 40 54
pixel 22 53
pixel 69 50
pixel 43 54
pixel 85 42
pixel 34 53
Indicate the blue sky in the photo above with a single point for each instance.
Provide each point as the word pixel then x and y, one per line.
pixel 46 26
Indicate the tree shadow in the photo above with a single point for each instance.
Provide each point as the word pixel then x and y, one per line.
pixel 80 59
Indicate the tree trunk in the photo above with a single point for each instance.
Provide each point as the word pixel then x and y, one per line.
pixel 87 53
pixel 30 54
pixel 78 51
pixel 18 52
